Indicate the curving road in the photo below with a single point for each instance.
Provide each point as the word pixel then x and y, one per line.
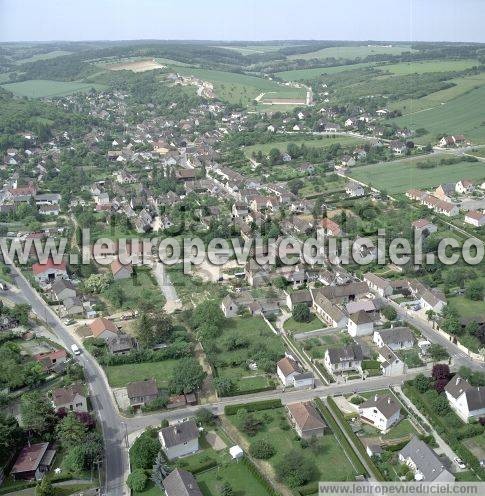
pixel 116 455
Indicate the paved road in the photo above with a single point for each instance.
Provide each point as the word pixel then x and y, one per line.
pixel 116 456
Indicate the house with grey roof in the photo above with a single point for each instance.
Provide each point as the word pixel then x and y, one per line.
pixel 300 296
pixel 181 483
pixel 179 439
pixel 382 412
pixel 378 284
pixel 424 462
pixel 328 310
pixel 142 392
pixel 344 359
pixel 466 400
pixel 360 324
pixel 396 338
pixel 390 363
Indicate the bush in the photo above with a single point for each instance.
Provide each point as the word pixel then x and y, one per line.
pixel 295 469
pixel 389 313
pixel 144 450
pixel 137 480
pixel 301 313
pixel 262 450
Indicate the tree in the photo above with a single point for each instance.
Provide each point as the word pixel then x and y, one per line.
pixel 37 412
pixel 115 295
pixel 144 450
pixel 421 383
pixel 301 313
pixel 280 282
pixel 440 371
pixel 224 386
pixel 160 470
pixel 262 449
pixel 137 480
pixel 204 416
pixel 10 435
pixel 45 488
pixel 451 324
pixel 187 376
pixel 431 314
pixel 437 352
pixel 154 328
pixel 440 405
pixel 251 425
pixel 475 290
pixel 207 312
pixel 389 312
pixel 226 489
pixel 440 384
pixel 70 431
pixel 97 283
pixel 295 469
pixel 74 459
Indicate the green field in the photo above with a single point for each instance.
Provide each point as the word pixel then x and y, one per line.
pixel 351 52
pixel 422 67
pixel 121 375
pixel 314 143
pixel 41 88
pixel 462 115
pixel 331 462
pixel 254 49
pixel 44 56
pixel 304 74
pixel 401 175
pixel 461 86
pixel 239 88
pixel 466 308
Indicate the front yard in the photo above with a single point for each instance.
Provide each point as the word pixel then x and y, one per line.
pixel 318 345
pixel 292 326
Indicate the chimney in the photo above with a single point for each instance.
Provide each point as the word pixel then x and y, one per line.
pixel 388 400
pixel 458 380
pixel 376 397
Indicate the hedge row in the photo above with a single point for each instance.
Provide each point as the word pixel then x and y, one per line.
pixel 321 368
pixel 249 391
pixel 307 490
pixel 204 466
pixel 340 436
pixel 254 470
pixel 253 407
pixel 358 444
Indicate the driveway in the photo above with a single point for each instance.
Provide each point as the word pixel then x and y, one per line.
pixel 163 279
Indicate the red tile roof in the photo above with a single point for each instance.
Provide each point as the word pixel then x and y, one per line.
pixel 39 268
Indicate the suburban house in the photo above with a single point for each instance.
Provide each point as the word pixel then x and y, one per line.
pixel 466 400
pixel 141 393
pixel 390 364
pixel 121 344
pixel 354 190
pixel 475 218
pixel 33 462
pixel 457 140
pixel 464 186
pixel 73 306
pixel 229 307
pixel 424 227
pixel 51 359
pixel 46 273
pixel 378 284
pixel 179 482
pixel 327 310
pixel 297 297
pixel 291 373
pixel 103 328
pixel 424 462
pixel 360 324
pixel 179 439
pixel 445 191
pixel 338 360
pixel 329 228
pixel 429 299
pixel 396 338
pixel 380 411
pixel 120 271
pixel 62 289
pixel 306 420
pixel 70 399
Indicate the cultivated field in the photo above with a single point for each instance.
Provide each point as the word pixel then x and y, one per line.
pixel 252 49
pixel 351 52
pixel 462 115
pixel 402 175
pixel 304 74
pixel 239 88
pixel 136 66
pixel 44 56
pixel 429 66
pixel 42 88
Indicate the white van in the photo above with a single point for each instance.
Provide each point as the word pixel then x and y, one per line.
pixel 75 349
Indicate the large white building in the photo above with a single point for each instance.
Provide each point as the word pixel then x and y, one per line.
pixel 380 411
pixel 466 400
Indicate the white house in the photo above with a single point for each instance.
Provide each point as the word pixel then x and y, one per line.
pixel 396 338
pixel 229 307
pixel 291 373
pixel 360 324
pixel 468 401
pixel 338 360
pixel 390 364
pixel 380 411
pixel 475 218
pixel 354 190
pixel 378 284
pixel 179 439
pixel 424 462
pixel 464 186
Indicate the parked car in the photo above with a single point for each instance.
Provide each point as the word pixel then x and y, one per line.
pixel 459 462
pixel 75 349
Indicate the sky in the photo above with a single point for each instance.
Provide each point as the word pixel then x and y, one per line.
pixel 390 20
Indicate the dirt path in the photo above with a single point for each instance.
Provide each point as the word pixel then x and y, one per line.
pixel 265 467
pixel 207 389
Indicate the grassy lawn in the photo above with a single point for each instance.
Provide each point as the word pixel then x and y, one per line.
pixel 466 308
pixel 410 358
pixel 330 460
pixel 232 362
pixel 291 325
pixel 41 88
pixel 462 115
pixel 150 490
pixel 318 345
pixel 144 286
pixel 402 429
pixel 401 175
pixel 121 375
